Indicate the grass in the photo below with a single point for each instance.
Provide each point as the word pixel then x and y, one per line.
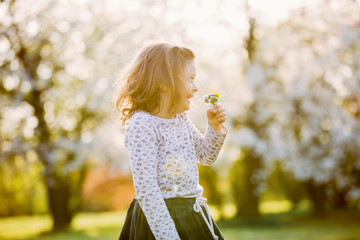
pixel 336 226
pixel 106 226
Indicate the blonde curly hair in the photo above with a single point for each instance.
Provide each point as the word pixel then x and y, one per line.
pixel 156 65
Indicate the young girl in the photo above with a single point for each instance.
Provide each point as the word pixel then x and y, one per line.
pixel 164 147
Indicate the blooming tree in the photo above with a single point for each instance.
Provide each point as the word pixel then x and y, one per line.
pixel 305 94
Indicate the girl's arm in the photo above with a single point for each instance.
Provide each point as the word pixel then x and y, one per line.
pixel 207 147
pixel 141 143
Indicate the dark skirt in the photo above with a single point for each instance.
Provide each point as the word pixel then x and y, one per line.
pixel 190 225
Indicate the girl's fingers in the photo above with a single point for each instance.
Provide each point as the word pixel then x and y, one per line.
pixel 221 117
pixel 213 110
pixel 216 106
pixel 221 114
pixel 218 110
pixel 221 120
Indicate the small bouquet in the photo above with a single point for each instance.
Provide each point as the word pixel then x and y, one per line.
pixel 212 98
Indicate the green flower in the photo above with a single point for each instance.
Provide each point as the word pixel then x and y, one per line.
pixel 212 98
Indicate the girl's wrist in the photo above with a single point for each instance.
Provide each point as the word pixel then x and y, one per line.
pixel 219 128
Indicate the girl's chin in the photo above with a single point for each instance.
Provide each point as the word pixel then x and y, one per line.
pixel 184 108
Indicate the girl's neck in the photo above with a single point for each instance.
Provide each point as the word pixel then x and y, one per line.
pixel 164 114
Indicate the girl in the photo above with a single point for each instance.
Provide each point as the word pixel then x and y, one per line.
pixel 164 147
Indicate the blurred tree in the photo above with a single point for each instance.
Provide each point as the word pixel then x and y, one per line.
pixel 316 72
pixel 245 185
pixel 107 189
pixel 40 72
pixel 44 108
pixel 56 60
pixel 295 97
pixel 21 188
pixel 282 185
pixel 209 179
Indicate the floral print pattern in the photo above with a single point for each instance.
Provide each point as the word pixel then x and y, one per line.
pixel 163 156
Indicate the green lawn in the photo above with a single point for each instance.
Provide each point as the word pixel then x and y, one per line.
pixel 106 226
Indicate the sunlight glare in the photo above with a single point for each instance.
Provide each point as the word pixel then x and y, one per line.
pixel 274 11
pixel 210 33
pixel 275 206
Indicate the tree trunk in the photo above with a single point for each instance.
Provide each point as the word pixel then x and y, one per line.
pixel 250 207
pixel 236 175
pixel 64 195
pixel 246 199
pixel 339 200
pixel 59 194
pixel 318 197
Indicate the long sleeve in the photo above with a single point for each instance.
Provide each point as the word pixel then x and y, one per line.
pixel 141 143
pixel 207 147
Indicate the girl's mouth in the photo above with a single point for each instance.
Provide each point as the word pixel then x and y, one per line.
pixel 189 98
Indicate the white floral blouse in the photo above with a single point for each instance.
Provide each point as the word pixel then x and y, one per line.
pixel 163 156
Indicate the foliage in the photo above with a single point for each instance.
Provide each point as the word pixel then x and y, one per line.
pixel 21 187
pixel 313 84
pixel 47 108
pixel 298 94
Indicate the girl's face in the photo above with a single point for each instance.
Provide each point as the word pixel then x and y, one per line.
pixel 189 89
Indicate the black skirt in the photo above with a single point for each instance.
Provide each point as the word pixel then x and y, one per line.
pixel 189 224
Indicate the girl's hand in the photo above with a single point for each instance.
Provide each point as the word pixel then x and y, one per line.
pixel 216 116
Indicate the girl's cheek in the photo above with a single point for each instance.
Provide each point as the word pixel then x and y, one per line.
pixel 192 86
pixel 188 89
